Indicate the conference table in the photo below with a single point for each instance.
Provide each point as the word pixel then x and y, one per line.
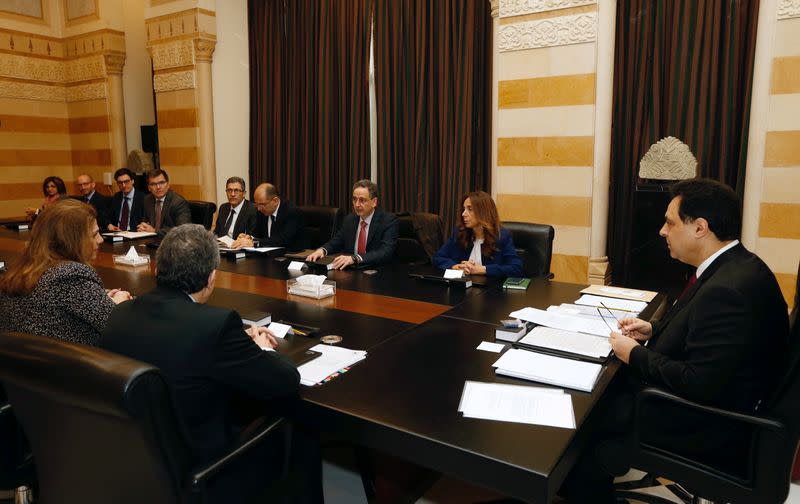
pixel 421 339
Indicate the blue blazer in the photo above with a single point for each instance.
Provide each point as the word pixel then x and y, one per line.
pixel 504 261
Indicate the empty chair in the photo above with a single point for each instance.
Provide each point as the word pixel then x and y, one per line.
pixel 202 212
pixel 16 461
pixel 534 244
pixel 420 235
pixel 322 222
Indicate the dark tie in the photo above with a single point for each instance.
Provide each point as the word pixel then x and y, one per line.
pixel 158 214
pixel 271 225
pixel 689 283
pixel 228 222
pixel 86 199
pixel 362 239
pixel 123 218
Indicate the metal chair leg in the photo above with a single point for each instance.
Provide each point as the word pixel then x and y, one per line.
pixel 23 495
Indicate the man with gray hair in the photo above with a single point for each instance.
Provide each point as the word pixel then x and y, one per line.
pixel 278 224
pixel 238 215
pixel 205 352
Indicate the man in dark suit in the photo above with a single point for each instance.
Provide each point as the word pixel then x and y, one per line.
pixel 127 206
pixel 242 218
pixel 100 202
pixel 163 208
pixel 206 354
pixel 367 237
pixel 278 224
pixel 721 344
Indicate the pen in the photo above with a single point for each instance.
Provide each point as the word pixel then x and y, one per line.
pixel 298 331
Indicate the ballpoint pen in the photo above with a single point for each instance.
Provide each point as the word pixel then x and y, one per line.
pixel 298 331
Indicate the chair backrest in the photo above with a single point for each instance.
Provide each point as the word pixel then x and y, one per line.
pixel 322 222
pixel 534 244
pixel 102 427
pixel 420 234
pixel 202 212
pixel 16 463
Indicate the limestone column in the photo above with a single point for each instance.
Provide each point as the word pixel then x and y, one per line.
pixel 203 52
pixel 116 109
pixel 495 9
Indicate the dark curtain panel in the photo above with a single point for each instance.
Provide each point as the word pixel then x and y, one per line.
pixel 682 68
pixel 433 87
pixel 309 97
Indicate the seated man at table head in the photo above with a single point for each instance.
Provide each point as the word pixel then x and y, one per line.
pixel 238 215
pixel 368 236
pixel 52 290
pixel 126 209
pixel 480 245
pixel 279 223
pixel 722 343
pixel 100 202
pixel 163 207
pixel 205 352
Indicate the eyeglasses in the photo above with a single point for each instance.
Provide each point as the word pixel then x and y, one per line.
pixel 161 183
pixel 124 182
pixel 233 191
pixel 613 329
pixel 360 201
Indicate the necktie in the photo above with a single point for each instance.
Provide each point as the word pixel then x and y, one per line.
pixel 689 283
pixel 228 222
pixel 86 199
pixel 271 223
pixel 362 239
pixel 123 217
pixel 158 214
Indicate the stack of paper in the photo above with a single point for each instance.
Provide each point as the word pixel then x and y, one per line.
pixel 516 403
pixel 130 235
pixel 261 250
pixel 620 292
pixel 591 312
pixel 561 321
pixel 226 240
pixel 568 341
pixel 556 371
pixel 613 303
pixel 332 360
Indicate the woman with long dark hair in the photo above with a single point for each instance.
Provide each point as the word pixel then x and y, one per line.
pixel 54 190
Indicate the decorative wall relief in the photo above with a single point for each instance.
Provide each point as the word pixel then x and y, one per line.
pixel 81 69
pixel 172 54
pixel 788 9
pixel 548 32
pixel 174 81
pixel 29 91
pixel 94 91
pixel 510 8
pixel 23 67
pixel 668 159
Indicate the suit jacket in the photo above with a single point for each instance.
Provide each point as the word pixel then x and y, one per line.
pixel 503 262
pixel 136 209
pixel 288 230
pixel 381 237
pixel 101 204
pixel 174 212
pixel 245 221
pixel 206 357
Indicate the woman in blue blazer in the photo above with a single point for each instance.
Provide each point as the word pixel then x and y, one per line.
pixel 480 246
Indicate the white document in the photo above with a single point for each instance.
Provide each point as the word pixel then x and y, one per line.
pixel 297 265
pixel 562 321
pixel 261 250
pixel 2 264
pixel 592 312
pixel 620 292
pixel 451 273
pixel 226 240
pixel 333 359
pixel 130 235
pixel 548 369
pixel 613 303
pixel 568 341
pixel 488 346
pixel 279 330
pixel 517 403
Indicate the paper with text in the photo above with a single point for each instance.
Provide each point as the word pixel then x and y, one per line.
pixel 516 403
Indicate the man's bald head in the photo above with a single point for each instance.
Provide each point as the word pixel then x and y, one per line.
pixel 266 198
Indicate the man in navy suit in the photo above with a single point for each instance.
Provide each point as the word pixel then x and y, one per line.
pixel 127 206
pixel 367 237
pixel 238 215
pixel 100 202
pixel 163 207
pixel 278 223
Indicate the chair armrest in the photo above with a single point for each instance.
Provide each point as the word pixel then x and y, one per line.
pixel 199 477
pixel 5 408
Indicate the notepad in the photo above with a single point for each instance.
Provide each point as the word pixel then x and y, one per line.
pixel 568 341
pixel 561 321
pixel 517 403
pixel 333 359
pixel 548 369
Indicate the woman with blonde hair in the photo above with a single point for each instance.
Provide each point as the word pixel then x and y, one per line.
pixel 52 290
pixel 480 245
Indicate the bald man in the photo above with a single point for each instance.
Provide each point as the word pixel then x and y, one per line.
pixel 278 224
pixel 86 185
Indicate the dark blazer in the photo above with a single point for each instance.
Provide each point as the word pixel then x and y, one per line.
pixel 174 212
pixel 101 204
pixel 288 230
pixel 205 355
pixel 245 222
pixel 503 263
pixel 136 209
pixel 381 237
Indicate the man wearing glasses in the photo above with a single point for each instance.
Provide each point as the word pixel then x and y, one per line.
pixel 279 223
pixel 237 216
pixel 163 208
pixel 87 185
pixel 367 237
pixel 127 205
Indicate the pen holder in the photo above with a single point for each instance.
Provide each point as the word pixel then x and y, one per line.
pixel 326 289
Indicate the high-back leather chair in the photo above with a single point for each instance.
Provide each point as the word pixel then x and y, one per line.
pixel 102 427
pixel 16 460
pixel 202 212
pixel 534 244
pixel 420 234
pixel 322 222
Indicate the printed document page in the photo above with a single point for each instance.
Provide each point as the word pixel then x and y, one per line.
pixel 598 327
pixel 332 360
pixel 613 303
pixel 517 403
pixel 548 369
pixel 568 341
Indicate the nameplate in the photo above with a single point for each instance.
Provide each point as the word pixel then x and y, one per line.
pixel 451 273
pixel 297 265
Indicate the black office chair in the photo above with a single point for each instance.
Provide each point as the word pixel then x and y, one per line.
pixel 103 427
pixel 202 212
pixel 16 461
pixel 534 244
pixel 322 222
pixel 420 234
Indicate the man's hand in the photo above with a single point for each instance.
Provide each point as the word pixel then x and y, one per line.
pixel 112 227
pixel 342 261
pixel 262 337
pixel 622 346
pixel 119 295
pixel 145 228
pixel 317 254
pixel 242 240
pixel 636 328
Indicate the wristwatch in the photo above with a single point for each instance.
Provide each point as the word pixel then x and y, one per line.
pixel 355 258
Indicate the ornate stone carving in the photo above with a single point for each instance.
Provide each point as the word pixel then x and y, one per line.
pixel 114 63
pixel 29 91
pixel 668 159
pixel 174 81
pixel 94 91
pixel 494 5
pixel 81 69
pixel 22 67
pixel 548 32
pixel 519 7
pixel 172 54
pixel 204 49
pixel 788 9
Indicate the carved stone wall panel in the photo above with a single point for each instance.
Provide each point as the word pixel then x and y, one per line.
pixel 204 49
pixel 30 91
pixel 81 69
pixel 84 92
pixel 788 9
pixel 95 42
pixel 30 44
pixel 181 24
pixel 178 53
pixel 510 8
pixel 174 81
pixel 23 67
pixel 668 159
pixel 548 32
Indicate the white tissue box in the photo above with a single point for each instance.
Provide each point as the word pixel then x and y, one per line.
pixel 137 261
pixel 325 289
